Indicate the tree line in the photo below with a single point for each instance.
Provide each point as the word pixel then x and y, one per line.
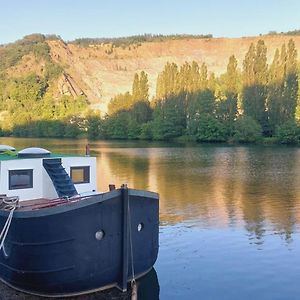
pixel 258 101
pixel 192 104
pixel 137 39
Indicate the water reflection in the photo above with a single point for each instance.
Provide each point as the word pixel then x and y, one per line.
pixel 215 186
pixel 147 286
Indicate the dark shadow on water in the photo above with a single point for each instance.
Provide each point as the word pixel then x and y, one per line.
pixel 148 289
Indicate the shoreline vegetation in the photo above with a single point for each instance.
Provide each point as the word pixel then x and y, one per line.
pixel 258 103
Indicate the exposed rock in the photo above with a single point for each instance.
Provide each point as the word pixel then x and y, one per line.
pixel 68 86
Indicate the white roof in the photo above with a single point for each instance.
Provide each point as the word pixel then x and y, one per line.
pixel 34 150
pixel 6 148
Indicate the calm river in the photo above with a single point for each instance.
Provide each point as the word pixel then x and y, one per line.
pixel 229 215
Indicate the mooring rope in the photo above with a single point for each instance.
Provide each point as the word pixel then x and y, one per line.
pixel 133 282
pixel 10 203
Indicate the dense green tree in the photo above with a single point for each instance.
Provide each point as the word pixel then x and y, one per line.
pixel 283 87
pixel 247 130
pixel 140 93
pixel 275 92
pixel 255 83
pixel 120 102
pixel 168 81
pixel 141 112
pixel 290 93
pixel 117 125
pixel 140 87
pixel 227 108
pixel 134 129
pixel 147 131
pixel 199 103
pixel 288 133
pixel 203 77
pixel 169 118
pixel 209 129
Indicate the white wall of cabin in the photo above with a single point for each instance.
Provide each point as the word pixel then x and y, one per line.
pixel 42 184
pixel 69 162
pixel 24 164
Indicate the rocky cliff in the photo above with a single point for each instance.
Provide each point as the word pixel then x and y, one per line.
pixel 103 70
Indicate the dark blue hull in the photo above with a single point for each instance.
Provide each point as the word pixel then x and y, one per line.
pixel 55 252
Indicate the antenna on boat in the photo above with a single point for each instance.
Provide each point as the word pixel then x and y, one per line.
pixel 87 150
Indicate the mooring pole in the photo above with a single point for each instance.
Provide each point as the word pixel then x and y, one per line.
pixel 125 199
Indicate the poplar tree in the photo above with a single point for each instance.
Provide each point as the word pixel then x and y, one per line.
pixel 135 86
pixel 167 81
pixel 140 87
pixel 120 102
pixel 255 79
pixel 227 108
pixel 195 77
pixel 290 93
pixel 144 86
pixel 203 77
pixel 275 92
pixel 283 86
pixel 185 77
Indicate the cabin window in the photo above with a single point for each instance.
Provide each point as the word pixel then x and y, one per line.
pixel 20 179
pixel 80 174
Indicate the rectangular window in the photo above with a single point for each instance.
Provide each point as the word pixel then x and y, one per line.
pixel 80 174
pixel 20 179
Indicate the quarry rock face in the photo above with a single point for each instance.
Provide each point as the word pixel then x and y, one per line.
pixel 102 71
pixel 68 86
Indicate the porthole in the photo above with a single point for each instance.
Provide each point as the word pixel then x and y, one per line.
pixel 140 227
pixel 99 235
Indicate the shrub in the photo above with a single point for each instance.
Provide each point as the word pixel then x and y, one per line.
pixel 146 131
pixel 288 133
pixel 210 129
pixel 247 130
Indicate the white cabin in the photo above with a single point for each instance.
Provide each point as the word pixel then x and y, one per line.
pixel 35 173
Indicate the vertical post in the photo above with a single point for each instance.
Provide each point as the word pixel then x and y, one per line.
pixel 125 200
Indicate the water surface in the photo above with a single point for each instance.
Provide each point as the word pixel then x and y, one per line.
pixel 230 215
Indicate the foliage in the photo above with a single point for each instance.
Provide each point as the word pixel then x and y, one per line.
pixel 11 54
pixel 247 130
pixel 288 133
pixel 169 118
pixel 255 83
pixel 95 127
pixel 140 93
pixel 47 129
pixel 210 129
pixel 146 131
pixel 137 39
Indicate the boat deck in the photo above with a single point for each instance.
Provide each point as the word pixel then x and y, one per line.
pixel 35 204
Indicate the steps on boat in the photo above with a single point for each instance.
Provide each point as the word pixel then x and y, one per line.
pixel 61 180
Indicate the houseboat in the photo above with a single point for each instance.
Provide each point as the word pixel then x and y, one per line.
pixel 60 237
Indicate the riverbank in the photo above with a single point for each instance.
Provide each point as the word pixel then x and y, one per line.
pixel 185 139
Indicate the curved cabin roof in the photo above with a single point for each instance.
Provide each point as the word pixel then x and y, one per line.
pixel 10 155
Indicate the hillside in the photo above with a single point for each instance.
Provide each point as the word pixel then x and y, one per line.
pixel 100 71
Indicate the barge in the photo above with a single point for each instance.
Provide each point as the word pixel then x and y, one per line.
pixel 60 237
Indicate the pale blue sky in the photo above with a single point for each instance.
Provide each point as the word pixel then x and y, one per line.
pixel 110 18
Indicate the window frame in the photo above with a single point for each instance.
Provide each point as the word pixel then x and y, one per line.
pixel 13 172
pixel 86 174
